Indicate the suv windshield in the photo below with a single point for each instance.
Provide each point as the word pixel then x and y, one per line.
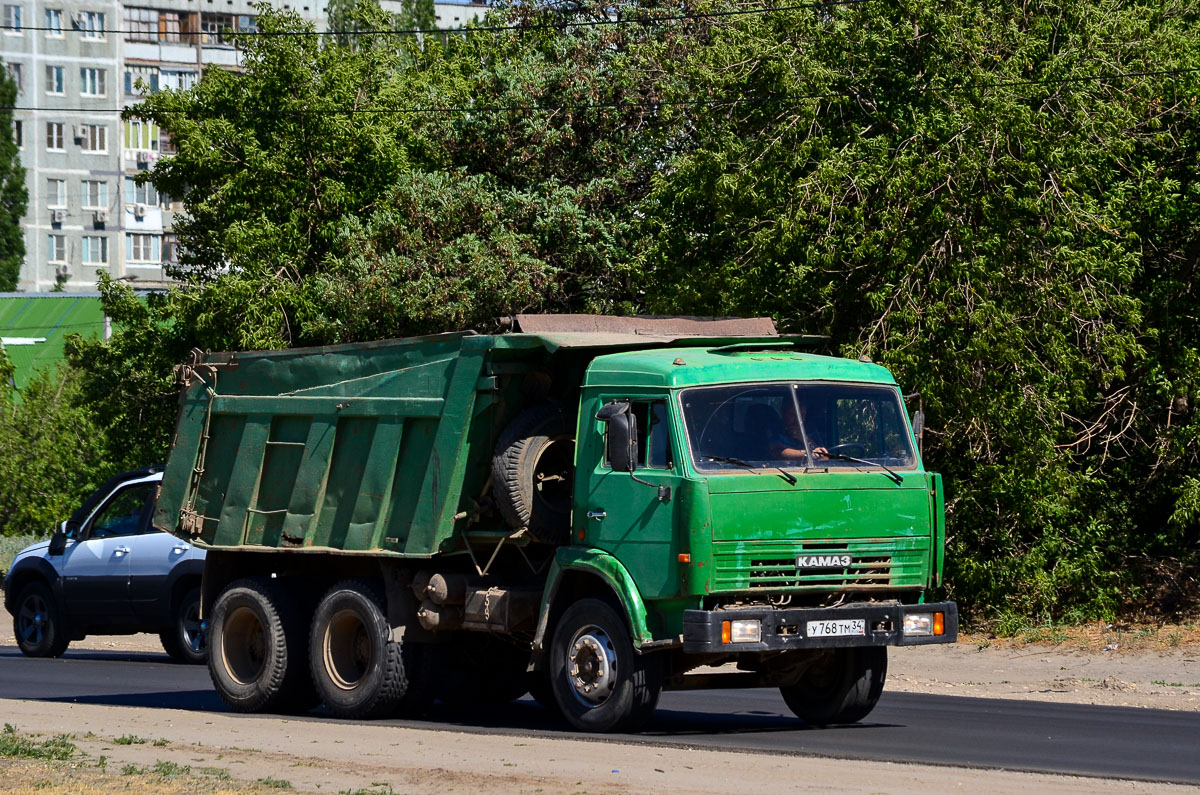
pixel 792 425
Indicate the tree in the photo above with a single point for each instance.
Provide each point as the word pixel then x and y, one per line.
pixel 13 195
pixel 996 202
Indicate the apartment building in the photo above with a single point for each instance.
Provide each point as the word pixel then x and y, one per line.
pixel 77 64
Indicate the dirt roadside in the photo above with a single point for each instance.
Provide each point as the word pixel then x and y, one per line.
pixel 313 755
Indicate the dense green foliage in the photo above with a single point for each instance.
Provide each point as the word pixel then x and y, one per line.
pixel 13 194
pixel 51 451
pixel 996 202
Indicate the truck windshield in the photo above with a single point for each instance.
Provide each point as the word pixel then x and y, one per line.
pixel 796 425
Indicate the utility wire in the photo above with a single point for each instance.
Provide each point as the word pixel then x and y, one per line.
pixel 520 26
pixel 762 99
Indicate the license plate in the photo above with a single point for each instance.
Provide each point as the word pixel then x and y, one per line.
pixel 841 628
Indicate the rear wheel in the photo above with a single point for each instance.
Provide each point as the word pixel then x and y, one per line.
pixel 257 650
pixel 358 669
pixel 841 687
pixel 38 624
pixel 599 682
pixel 185 640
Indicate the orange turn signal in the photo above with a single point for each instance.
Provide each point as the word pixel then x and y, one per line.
pixel 939 623
pixel 726 635
pixel 685 557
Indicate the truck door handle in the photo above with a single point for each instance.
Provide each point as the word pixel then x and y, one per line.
pixel 121 551
pixel 597 515
pixel 180 549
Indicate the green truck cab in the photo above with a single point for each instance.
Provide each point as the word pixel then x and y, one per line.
pixel 588 509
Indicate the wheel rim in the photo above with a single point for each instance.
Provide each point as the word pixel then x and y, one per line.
pixel 592 666
pixel 244 646
pixel 346 649
pixel 33 620
pixel 193 629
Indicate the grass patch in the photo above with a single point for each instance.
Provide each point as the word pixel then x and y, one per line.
pixel 169 769
pixel 275 783
pixel 18 746
pixel 130 739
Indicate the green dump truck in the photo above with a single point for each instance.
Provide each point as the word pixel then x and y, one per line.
pixel 587 509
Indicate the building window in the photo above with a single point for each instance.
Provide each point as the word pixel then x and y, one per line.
pixel 91 23
pixel 19 133
pixel 56 193
pixel 54 136
pixel 141 135
pixel 95 250
pixel 95 138
pixel 95 194
pixel 214 29
pixel 54 80
pixel 146 74
pixel 143 248
pixel 17 75
pixel 139 194
pixel 175 25
pixel 177 80
pixel 170 248
pixel 166 144
pixel 56 248
pixel 54 22
pixel 141 24
pixel 94 82
pixel 12 19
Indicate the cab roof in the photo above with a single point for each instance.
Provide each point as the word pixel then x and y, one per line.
pixel 742 361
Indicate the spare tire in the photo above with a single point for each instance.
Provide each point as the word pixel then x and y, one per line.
pixel 533 472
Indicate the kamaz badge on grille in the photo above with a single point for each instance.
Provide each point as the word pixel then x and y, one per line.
pixel 823 561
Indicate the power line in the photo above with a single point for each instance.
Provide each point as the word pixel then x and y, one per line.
pixel 520 26
pixel 762 99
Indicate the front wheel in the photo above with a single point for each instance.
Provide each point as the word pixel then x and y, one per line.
pixel 38 624
pixel 842 686
pixel 599 682
pixel 185 640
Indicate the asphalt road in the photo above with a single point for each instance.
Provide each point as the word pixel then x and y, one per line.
pixel 1110 742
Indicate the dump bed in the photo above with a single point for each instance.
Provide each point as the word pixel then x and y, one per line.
pixel 380 447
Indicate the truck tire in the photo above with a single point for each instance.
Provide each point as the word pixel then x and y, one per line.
pixel 38 624
pixel 185 640
pixel 533 470
pixel 256 650
pixel 599 682
pixel 843 687
pixel 358 670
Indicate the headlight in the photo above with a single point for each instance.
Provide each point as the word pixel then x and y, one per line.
pixel 919 624
pixel 747 630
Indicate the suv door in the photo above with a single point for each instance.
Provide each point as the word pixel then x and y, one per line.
pixel 96 568
pixel 155 554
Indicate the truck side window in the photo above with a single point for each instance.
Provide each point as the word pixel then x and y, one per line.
pixel 653 433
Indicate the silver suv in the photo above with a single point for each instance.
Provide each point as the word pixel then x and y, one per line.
pixel 109 571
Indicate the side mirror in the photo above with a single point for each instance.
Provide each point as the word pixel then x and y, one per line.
pixel 58 543
pixel 918 423
pixel 621 448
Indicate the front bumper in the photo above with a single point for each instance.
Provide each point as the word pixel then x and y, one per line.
pixel 883 625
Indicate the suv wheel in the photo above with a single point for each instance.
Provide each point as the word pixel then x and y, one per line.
pixel 185 641
pixel 38 624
